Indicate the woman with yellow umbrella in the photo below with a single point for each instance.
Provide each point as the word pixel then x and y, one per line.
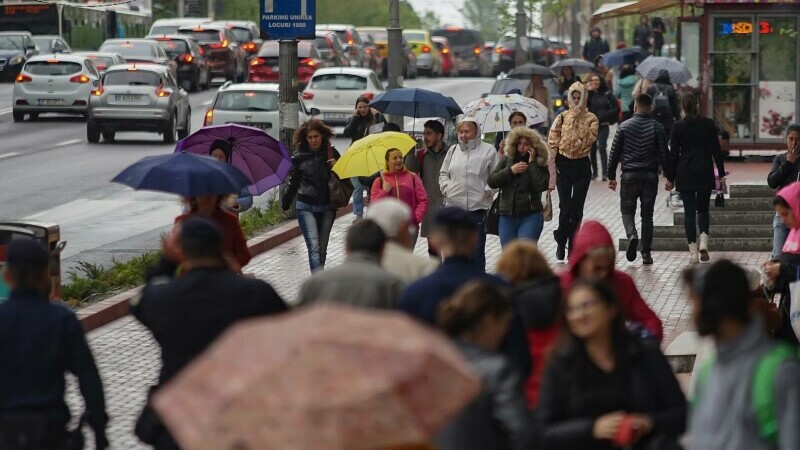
pixel 398 182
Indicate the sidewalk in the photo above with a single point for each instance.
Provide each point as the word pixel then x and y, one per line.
pixel 129 360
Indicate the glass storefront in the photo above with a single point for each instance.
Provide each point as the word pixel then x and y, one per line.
pixel 753 75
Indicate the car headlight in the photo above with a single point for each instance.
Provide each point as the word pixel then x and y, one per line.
pixel 17 60
pixel 559 103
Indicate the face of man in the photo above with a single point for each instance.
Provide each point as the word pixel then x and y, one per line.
pixel 792 140
pixel 467 131
pixel 595 34
pixel 431 139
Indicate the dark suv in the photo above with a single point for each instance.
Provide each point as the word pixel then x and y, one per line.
pixel 246 33
pixel 225 57
pixel 192 66
pixel 15 48
pixel 505 53
pixel 468 46
pixel 331 49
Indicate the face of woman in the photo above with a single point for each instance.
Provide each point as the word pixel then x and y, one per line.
pixel 219 155
pixel 593 83
pixel 314 139
pixel 599 266
pixel 576 97
pixel 467 131
pixel 363 109
pixel 517 121
pixel 587 315
pixel 786 215
pixel 567 72
pixel 523 147
pixel 395 162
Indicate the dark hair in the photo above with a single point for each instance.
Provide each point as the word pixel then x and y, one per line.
pixel 598 60
pixel 201 242
pixel 362 99
pixel 27 272
pixel 391 126
pixel 192 202
pixel 223 145
pixel 626 69
pixel 778 200
pixel 793 128
pixel 724 292
pixel 365 236
pixel 435 125
pixel 644 100
pixel 300 137
pixel 515 114
pixel 469 305
pixel 689 104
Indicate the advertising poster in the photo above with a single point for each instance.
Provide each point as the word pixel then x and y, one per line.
pixel 776 107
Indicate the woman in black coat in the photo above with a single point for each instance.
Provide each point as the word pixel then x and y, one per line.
pixel 603 388
pixel 604 105
pixel 690 168
pixel 357 127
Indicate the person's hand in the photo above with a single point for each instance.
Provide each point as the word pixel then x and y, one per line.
pixel 331 162
pixel 169 244
pixel 722 183
pixel 772 269
pixel 792 155
pixel 233 204
pixel 612 184
pixel 355 112
pixel 642 425
pixel 387 187
pixel 519 167
pixel 669 185
pixel 606 426
pixel 502 149
pixel 284 212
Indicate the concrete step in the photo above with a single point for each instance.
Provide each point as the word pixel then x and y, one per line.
pixel 746 204
pixel 722 217
pixel 714 244
pixel 718 231
pixel 682 351
pixel 751 191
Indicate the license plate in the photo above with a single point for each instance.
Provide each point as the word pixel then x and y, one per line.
pixel 51 102
pixel 128 98
pixel 335 115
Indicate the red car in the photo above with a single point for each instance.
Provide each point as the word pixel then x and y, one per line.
pixel 264 67
pixel 449 58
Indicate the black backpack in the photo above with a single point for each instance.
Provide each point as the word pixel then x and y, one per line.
pixel 661 108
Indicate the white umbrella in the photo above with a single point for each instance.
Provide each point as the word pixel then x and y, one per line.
pixel 492 112
pixel 651 68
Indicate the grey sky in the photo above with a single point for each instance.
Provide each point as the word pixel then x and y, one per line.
pixel 449 11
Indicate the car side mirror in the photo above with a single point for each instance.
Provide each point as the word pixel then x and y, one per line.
pixel 96 83
pixel 484 95
pixel 314 112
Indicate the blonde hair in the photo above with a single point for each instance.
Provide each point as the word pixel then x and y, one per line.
pixel 522 261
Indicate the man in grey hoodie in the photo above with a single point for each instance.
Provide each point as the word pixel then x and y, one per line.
pixel 724 415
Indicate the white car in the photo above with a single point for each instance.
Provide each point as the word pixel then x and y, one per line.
pixel 60 83
pixel 333 91
pixel 250 104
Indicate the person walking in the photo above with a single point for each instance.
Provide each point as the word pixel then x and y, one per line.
pixel 359 280
pixel 521 176
pixel 603 388
pixel 463 179
pixel 602 104
pixel 221 150
pixel 397 182
pixel 539 92
pixel 785 170
pixel 641 34
pixel 477 318
pixel 515 119
pixel 571 137
pixel 640 147
pixel 359 125
pixel 454 233
pixel 658 30
pixel 308 181
pixel 396 220
pixel 690 169
pixel 747 397
pixel 427 163
pixel 234 241
pixel 567 78
pixel 666 109
pixel 185 315
pixel 595 46
pixel 624 90
pixel 537 294
pixel 40 341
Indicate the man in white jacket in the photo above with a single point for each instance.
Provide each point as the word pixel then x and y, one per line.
pixel 463 179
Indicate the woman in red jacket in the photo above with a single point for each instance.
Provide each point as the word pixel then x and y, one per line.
pixel 396 181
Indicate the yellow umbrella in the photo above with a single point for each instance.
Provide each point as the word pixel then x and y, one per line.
pixel 367 155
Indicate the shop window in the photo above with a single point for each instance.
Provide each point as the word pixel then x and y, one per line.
pixel 732 68
pixel 732 110
pixel 777 87
pixel 733 34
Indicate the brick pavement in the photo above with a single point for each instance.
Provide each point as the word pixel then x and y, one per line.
pixel 129 360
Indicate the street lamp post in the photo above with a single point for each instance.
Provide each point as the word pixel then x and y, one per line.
pixel 395 66
pixel 521 54
pixel 288 104
pixel 575 33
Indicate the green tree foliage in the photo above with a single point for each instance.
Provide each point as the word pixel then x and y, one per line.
pixel 506 18
pixel 482 14
pixel 430 20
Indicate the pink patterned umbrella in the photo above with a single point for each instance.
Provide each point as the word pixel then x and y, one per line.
pixel 327 377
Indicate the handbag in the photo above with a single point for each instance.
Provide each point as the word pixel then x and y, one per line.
pixel 492 222
pixel 547 212
pixel 719 200
pixel 340 190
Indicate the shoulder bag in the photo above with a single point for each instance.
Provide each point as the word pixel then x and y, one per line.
pixel 340 190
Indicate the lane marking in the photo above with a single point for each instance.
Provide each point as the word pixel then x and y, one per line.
pixel 208 102
pixel 6 110
pixel 66 143
pixel 8 155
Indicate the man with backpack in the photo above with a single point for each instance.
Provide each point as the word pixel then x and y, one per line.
pixel 665 102
pixel 748 396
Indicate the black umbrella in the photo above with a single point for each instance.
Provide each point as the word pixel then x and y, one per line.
pixel 529 70
pixel 577 65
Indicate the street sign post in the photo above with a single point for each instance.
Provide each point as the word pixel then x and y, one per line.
pixel 286 19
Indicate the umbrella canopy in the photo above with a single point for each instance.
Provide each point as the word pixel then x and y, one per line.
pixel 492 111
pixel 651 67
pixel 367 155
pixel 529 70
pixel 330 377
pixel 628 55
pixel 577 65
pixel 415 102
pixel 183 174
pixel 263 159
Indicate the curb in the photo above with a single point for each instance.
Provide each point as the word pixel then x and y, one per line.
pixel 116 307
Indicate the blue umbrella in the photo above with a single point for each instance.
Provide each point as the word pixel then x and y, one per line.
pixel 628 55
pixel 415 102
pixel 183 174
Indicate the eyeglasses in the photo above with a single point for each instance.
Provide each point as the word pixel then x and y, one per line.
pixel 586 306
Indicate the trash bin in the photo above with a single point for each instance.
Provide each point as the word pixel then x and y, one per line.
pixel 46 233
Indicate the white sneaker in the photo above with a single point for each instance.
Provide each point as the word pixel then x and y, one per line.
pixel 703 247
pixel 694 255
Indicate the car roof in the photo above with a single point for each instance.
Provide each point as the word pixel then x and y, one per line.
pixel 178 37
pixel 129 41
pixel 151 67
pixel 333 26
pixel 414 30
pixel 181 20
pixel 46 36
pixel 203 27
pixel 350 70
pixel 6 33
pixel 105 54
pixel 249 87
pixel 68 57
pixel 235 23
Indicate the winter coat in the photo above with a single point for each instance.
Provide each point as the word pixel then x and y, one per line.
pixel 790 263
pixel 694 150
pixel 521 194
pixel 575 393
pixel 429 174
pixel 663 84
pixel 574 131
pixel 595 47
pixel 308 179
pixel 624 91
pixel 497 419
pixel 234 241
pixel 592 235
pixel 641 36
pixel 783 173
pixel 639 145
pixel 406 187
pixel 465 170
pixel 358 126
pixel 603 104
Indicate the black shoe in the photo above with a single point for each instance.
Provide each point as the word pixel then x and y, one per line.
pixel 647 258
pixel 633 246
pixel 594 177
pixel 561 251
pixel 605 178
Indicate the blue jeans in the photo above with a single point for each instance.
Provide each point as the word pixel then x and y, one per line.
pixel 525 227
pixel 779 235
pixel 479 255
pixel 316 228
pixel 358 197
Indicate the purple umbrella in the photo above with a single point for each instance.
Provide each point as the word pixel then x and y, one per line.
pixel 263 159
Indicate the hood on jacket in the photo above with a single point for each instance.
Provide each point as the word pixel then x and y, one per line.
pixel 581 105
pixel 663 77
pixel 473 144
pixel 534 138
pixel 593 29
pixel 591 235
pixel 791 194
pixel 538 302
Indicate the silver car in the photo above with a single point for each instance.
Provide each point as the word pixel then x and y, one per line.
pixel 102 60
pixel 59 83
pixel 138 97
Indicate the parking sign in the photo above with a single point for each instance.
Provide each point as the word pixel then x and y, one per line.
pixel 288 19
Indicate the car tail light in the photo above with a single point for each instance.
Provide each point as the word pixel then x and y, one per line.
pixel 202 52
pixel 223 44
pixel 186 57
pixel 209 118
pixel 445 51
pixel 308 96
pixel 250 47
pixel 309 62
pixel 426 49
pixel 98 92
pixel 22 78
pixel 258 62
pixel 161 92
pixel 101 66
pixel 476 50
pixel 82 79
pixel 368 95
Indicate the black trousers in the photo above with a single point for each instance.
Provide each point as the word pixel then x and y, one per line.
pixel 695 206
pixel 572 183
pixel 641 186
pixel 600 145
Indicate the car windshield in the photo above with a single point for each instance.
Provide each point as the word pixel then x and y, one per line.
pixel 102 62
pixel 203 36
pixel 321 43
pixel 164 29
pixel 45 45
pixel 338 82
pixel 52 68
pixel 416 37
pixel 132 78
pixel 247 101
pixel 460 37
pixel 242 34
pixel 11 43
pixel 172 48
pixel 378 35
pixel 129 49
